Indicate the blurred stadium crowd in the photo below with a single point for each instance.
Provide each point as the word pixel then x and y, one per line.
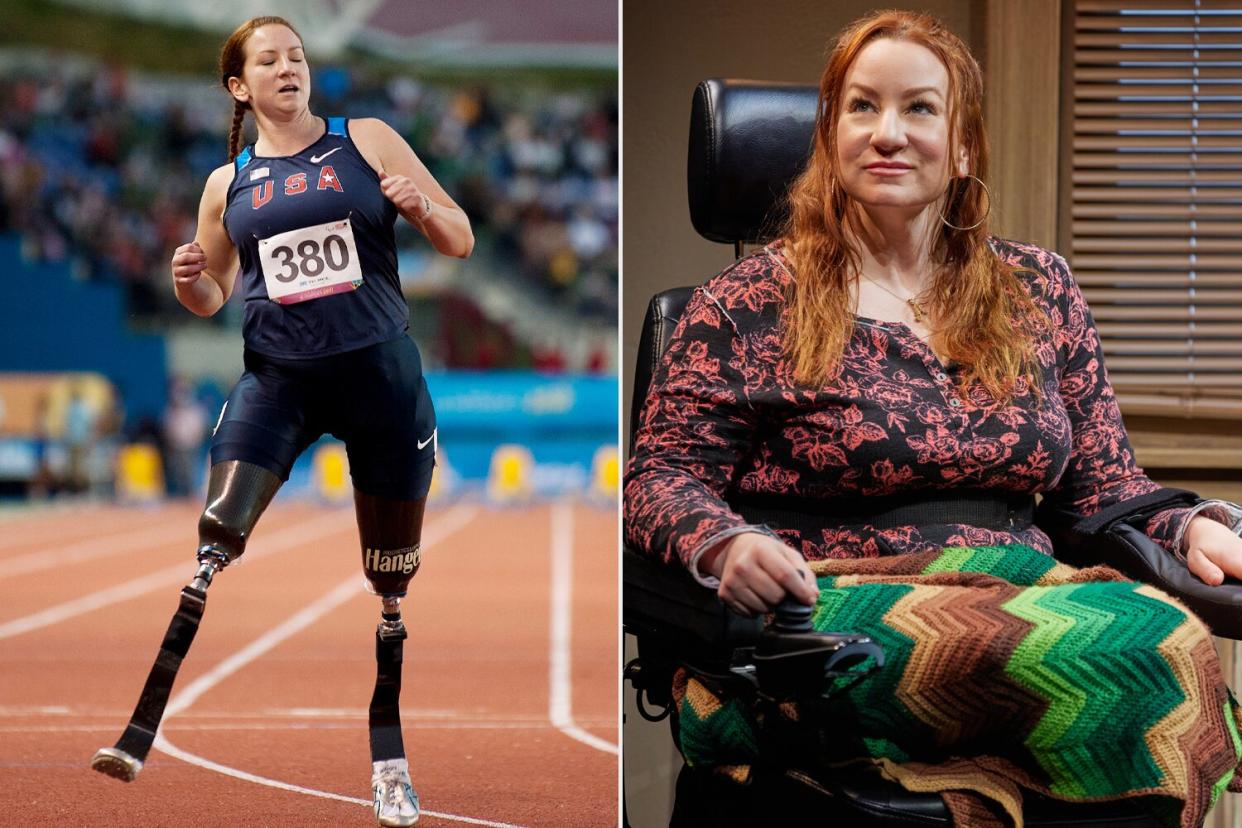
pixel 102 168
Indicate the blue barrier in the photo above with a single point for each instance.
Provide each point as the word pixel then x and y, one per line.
pixel 50 322
pixel 561 419
pixel 523 401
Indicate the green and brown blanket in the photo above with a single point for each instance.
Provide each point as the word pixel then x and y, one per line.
pixel 1007 671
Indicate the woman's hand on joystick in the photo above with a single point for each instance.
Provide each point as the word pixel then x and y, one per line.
pixel 756 571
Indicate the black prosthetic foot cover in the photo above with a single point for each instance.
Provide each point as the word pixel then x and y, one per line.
pixel 125 760
pixel 385 714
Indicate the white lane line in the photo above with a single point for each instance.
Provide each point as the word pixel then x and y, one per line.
pixel 172 750
pixel 37 710
pixel 422 715
pixel 181 573
pixel 51 529
pixel 294 624
pixel 96 547
pixel 560 681
pixel 450 523
pixel 112 727
pixel 456 518
pixel 32 523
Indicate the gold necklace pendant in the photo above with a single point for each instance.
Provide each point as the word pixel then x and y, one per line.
pixel 915 307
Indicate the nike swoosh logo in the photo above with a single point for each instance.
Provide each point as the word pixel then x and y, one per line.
pixel 223 409
pixel 315 159
pixel 422 444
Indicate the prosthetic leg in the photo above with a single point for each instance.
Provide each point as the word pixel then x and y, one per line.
pixel 390 531
pixel 237 494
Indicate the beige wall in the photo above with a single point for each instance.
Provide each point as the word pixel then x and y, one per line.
pixel 669 46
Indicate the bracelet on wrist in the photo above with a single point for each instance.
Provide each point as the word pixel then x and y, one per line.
pixel 428 207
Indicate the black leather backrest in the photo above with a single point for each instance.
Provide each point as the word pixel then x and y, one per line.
pixel 663 312
pixel 748 140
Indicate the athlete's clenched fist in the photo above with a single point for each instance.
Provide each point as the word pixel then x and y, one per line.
pixel 405 194
pixel 188 263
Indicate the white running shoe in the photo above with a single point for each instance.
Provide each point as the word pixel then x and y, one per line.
pixel 394 797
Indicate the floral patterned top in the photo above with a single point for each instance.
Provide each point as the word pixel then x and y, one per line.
pixel 724 419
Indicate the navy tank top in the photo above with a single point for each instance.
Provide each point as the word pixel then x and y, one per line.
pixel 320 188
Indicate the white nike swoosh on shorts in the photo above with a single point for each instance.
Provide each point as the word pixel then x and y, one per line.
pixel 224 408
pixel 422 444
pixel 315 159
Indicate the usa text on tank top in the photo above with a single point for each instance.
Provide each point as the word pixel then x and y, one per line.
pixel 318 260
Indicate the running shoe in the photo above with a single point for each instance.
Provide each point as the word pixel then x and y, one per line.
pixel 394 797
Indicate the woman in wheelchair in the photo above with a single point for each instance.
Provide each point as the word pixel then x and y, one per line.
pixel 859 417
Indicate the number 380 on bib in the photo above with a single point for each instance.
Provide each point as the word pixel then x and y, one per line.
pixel 310 262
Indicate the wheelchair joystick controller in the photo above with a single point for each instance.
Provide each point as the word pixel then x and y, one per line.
pixel 793 617
pixel 792 659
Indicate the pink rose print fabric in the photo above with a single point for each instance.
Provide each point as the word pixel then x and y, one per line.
pixel 725 420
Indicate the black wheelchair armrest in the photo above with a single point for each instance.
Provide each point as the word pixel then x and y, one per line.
pixel 664 606
pixel 1115 537
pixel 679 621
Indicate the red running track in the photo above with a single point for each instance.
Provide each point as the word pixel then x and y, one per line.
pixel 509 702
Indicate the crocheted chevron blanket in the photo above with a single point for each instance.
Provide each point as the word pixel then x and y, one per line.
pixel 1006 670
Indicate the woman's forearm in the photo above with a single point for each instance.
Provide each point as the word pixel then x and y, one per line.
pixel 447 228
pixel 202 297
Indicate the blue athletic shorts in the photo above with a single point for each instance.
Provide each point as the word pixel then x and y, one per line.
pixel 374 399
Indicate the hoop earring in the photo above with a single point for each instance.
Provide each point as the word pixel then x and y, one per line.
pixel 833 192
pixel 986 192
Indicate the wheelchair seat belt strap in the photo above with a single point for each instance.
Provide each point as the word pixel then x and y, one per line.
pixel 987 510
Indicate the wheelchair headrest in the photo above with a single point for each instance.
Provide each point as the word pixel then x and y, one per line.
pixel 748 140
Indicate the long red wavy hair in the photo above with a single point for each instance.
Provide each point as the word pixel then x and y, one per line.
pixel 983 317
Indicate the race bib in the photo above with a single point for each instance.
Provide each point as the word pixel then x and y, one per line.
pixel 310 262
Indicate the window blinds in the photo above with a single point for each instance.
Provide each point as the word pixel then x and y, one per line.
pixel 1156 191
